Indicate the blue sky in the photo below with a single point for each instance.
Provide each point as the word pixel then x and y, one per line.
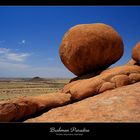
pixel 30 36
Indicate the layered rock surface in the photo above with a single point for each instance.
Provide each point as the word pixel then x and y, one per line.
pixel 17 109
pixel 119 105
pixel 106 80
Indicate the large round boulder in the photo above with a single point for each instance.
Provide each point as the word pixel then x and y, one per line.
pixel 136 52
pixel 88 48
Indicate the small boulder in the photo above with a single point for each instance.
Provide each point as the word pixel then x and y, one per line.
pixel 136 52
pixel 132 62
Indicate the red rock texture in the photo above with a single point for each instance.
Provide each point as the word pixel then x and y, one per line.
pixel 136 52
pixel 106 80
pixel 89 48
pixel 132 62
pixel 14 110
pixel 119 105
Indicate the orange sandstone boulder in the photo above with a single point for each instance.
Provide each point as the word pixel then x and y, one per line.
pixel 136 52
pixel 89 48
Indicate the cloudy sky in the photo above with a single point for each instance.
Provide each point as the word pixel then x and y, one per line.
pixel 30 36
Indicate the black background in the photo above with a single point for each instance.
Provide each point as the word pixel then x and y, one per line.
pixel 40 130
pixel 69 2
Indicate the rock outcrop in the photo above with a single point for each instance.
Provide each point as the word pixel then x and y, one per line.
pixel 89 48
pixel 21 108
pixel 106 80
pixel 36 79
pixel 119 105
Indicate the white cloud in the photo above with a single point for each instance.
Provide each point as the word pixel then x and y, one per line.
pixel 11 65
pixel 22 42
pixel 17 57
pixel 8 54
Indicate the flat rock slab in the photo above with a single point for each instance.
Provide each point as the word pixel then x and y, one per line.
pixel 119 105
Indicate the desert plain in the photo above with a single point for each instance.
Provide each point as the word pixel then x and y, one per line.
pixel 11 88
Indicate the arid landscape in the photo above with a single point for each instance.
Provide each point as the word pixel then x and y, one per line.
pixel 98 93
pixel 20 87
